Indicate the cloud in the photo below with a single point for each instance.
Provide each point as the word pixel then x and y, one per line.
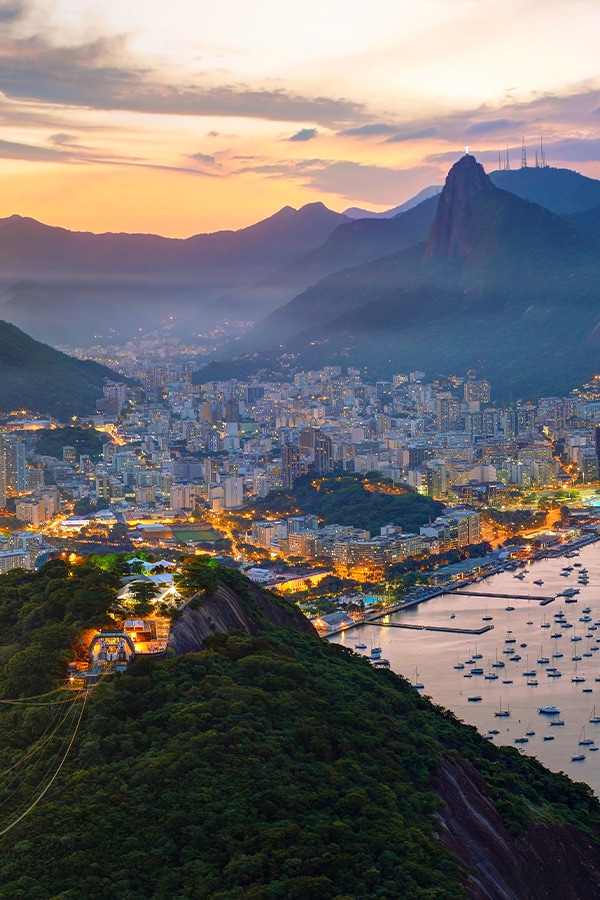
pixel 62 138
pixel 412 135
pixel 13 150
pixel 548 115
pixel 11 11
pixel 66 153
pixel 97 75
pixel 492 125
pixel 203 158
pixel 355 181
pixel 393 133
pixel 305 134
pixel 573 150
pixel 566 150
pixel 374 129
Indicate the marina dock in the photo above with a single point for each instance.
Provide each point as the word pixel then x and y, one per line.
pixel 501 596
pixel 481 630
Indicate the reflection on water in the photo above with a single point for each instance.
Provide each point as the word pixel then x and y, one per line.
pixel 521 630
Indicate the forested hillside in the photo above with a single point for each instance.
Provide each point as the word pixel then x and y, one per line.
pixel 273 766
pixel 368 502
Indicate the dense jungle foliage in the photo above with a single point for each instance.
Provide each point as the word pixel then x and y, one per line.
pixel 42 614
pixel 368 502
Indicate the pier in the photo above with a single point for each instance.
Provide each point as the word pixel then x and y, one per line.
pixel 544 600
pixel 476 631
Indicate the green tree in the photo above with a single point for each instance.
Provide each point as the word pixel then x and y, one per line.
pixel 143 592
pixel 198 576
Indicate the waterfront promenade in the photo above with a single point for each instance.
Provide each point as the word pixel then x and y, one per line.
pixel 458 587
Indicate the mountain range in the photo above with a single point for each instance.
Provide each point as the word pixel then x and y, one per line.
pixel 498 282
pixel 53 281
pixel 380 292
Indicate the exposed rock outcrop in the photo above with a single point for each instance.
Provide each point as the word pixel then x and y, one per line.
pixel 226 610
pixel 547 861
pixel 452 234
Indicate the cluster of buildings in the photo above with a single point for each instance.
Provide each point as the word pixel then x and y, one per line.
pixel 354 551
pixel 175 450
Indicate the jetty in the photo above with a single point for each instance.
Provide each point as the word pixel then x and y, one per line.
pixel 501 596
pixel 449 628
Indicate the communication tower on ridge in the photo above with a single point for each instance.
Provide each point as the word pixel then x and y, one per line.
pixel 540 157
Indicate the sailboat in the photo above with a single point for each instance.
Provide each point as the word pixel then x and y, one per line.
pixel 575 678
pixel 594 719
pixel 502 713
pixel 416 683
pixel 583 741
pixel 490 676
pixel 543 660
pixel 529 673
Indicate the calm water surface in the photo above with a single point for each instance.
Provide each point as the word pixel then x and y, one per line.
pixel 433 656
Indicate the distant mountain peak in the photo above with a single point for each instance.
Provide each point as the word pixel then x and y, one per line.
pixel 451 234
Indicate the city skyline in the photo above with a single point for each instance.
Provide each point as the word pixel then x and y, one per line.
pixel 190 119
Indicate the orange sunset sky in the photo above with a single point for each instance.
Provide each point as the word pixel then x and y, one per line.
pixel 191 116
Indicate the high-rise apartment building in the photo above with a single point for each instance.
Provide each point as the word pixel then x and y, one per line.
pixel 476 391
pixel 15 469
pixel 323 454
pixel 290 465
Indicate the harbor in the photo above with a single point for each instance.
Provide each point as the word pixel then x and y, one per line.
pixel 534 656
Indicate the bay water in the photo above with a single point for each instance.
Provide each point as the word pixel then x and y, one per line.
pixel 430 657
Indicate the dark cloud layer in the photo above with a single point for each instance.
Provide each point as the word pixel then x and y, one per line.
pixel 203 158
pixel 11 11
pixel 402 136
pixel 374 129
pixel 492 126
pixel 13 150
pixel 305 134
pixel 93 75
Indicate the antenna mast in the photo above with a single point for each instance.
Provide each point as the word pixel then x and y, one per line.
pixel 507 165
pixel 523 154
pixel 542 154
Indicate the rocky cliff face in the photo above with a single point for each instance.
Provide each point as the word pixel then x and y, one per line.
pixel 547 861
pixel 453 234
pixel 252 611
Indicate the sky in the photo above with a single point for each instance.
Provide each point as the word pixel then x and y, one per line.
pixel 188 116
